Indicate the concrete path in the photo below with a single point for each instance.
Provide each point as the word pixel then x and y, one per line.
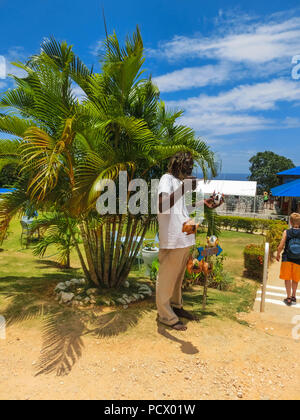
pixel 276 293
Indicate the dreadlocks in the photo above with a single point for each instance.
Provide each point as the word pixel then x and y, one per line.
pixel 177 163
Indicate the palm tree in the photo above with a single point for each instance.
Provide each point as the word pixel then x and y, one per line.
pixel 67 147
pixel 58 231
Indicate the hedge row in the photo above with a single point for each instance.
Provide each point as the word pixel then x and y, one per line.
pixel 254 254
pixel 274 236
pixel 248 224
pixel 254 261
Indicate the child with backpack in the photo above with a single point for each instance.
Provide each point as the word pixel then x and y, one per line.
pixel 290 266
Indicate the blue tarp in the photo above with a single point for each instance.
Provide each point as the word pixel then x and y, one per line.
pixel 290 189
pixel 291 172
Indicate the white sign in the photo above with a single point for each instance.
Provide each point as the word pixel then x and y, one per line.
pixel 240 188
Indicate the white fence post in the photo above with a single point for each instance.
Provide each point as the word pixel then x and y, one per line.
pixel 265 278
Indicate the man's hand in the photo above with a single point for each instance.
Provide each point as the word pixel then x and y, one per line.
pixel 190 227
pixel 211 204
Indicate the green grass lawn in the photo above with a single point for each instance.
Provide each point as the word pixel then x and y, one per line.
pixel 27 282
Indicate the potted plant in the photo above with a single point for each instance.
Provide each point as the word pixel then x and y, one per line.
pixel 149 254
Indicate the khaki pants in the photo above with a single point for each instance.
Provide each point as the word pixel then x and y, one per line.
pixel 169 283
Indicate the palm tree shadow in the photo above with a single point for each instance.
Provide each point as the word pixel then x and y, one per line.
pixel 119 321
pixel 63 327
pixel 186 346
pixel 62 343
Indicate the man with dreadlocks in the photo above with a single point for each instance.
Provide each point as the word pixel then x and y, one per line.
pixel 175 245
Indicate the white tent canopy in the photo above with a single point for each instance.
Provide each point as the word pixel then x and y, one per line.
pixel 240 188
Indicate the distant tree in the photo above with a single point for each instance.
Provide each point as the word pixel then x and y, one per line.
pixel 265 166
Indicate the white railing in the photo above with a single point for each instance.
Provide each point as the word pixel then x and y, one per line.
pixel 265 277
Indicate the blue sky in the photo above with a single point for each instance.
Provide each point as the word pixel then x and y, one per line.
pixel 226 63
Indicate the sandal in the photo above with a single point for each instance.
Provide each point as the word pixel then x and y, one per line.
pixel 294 300
pixel 288 301
pixel 179 326
pixel 185 314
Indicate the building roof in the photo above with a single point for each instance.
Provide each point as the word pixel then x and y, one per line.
pixel 290 189
pixel 241 188
pixel 291 172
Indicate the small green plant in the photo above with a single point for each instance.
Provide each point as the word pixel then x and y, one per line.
pixel 59 231
pixel 219 278
pixel 150 246
pixel 154 270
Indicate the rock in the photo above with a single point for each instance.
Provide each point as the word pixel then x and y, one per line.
pixel 79 298
pixel 75 282
pixel 91 292
pixel 126 284
pixel 240 395
pixel 60 287
pixel 145 287
pixel 86 300
pixel 126 298
pixel 66 297
pixel 122 301
pixel 125 306
pixel 145 290
pixel 68 283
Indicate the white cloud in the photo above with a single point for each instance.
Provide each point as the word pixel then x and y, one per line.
pixel 240 47
pixel 188 78
pixel 255 97
pixel 230 111
pixel 258 42
pixel 15 54
pixel 78 92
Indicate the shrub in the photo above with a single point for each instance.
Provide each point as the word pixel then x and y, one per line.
pixel 274 236
pixel 254 261
pixel 248 224
pixel 220 279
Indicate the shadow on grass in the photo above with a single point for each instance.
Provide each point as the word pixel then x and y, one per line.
pixel 63 327
pixel 54 264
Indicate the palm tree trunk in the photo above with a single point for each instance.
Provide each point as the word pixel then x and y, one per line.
pixel 116 262
pixel 127 246
pixel 106 274
pixel 135 252
pixel 101 254
pixel 79 253
pixel 92 271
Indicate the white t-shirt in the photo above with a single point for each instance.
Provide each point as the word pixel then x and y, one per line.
pixel 171 221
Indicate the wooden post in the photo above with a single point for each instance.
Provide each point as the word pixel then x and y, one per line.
pixel 265 278
pixel 205 289
pixel 290 206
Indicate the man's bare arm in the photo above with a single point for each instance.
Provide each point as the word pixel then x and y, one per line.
pixel 167 201
pixel 281 246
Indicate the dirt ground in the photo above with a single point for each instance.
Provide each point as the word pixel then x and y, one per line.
pixel 214 359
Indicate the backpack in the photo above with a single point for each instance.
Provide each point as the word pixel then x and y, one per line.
pixel 293 249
